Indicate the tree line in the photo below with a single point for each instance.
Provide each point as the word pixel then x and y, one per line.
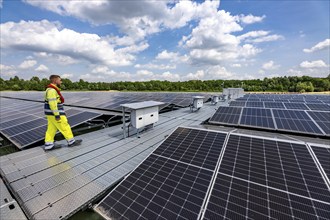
pixel 275 84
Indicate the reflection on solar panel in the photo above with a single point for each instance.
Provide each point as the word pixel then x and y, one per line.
pixel 322 119
pixel 27 124
pixel 300 106
pixel 257 117
pixel 274 105
pixel 323 155
pixel 296 121
pixel 249 178
pixel 226 115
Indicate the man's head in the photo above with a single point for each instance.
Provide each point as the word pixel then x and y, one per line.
pixel 56 79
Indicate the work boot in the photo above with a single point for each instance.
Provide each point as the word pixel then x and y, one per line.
pixel 75 143
pixel 49 146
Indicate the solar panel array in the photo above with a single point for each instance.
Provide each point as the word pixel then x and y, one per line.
pixel 296 121
pixel 205 174
pixel 303 114
pixel 111 100
pixel 24 123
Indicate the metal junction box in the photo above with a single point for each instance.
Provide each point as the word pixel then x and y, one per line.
pixel 144 116
pixel 215 99
pixel 142 113
pixel 197 103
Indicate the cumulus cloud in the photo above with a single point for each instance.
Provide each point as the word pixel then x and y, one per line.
pixel 66 75
pixel 172 57
pixel 136 19
pixel 250 19
pixel 319 46
pixel 7 70
pixel 259 37
pixel 213 41
pixel 270 65
pixel 42 68
pixel 60 59
pixel 313 64
pixel 155 66
pixel 50 38
pixel 26 64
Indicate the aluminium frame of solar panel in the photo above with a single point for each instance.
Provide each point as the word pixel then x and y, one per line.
pixel 275 202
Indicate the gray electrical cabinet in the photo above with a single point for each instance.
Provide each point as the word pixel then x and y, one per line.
pixel 142 113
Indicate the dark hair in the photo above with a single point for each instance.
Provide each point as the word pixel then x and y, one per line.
pixel 52 77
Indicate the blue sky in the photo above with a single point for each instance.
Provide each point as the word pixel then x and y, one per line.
pixel 164 40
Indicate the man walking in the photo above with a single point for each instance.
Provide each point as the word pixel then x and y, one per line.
pixel 55 114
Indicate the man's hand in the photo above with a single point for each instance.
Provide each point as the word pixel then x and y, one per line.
pixel 58 118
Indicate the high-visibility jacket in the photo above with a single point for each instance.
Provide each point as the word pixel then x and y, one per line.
pixel 53 105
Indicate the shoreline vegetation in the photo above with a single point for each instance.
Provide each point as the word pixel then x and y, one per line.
pixel 280 85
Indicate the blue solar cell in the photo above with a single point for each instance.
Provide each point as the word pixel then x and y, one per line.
pixel 323 155
pixel 226 115
pixel 257 117
pixel 295 121
pixel 322 119
pixel 274 105
pixel 255 104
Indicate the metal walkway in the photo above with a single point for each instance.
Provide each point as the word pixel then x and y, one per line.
pixel 58 183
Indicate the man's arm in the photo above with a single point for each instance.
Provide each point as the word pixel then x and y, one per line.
pixel 52 101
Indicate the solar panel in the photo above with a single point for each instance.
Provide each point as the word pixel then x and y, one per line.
pixel 323 156
pixel 295 121
pixel 261 179
pixel 274 105
pixel 257 117
pixel 237 104
pixel 233 198
pixel 255 178
pixel 255 104
pixel 281 165
pixel 300 106
pixel 322 119
pixel 26 126
pixel 319 107
pixel 226 115
pixel 166 185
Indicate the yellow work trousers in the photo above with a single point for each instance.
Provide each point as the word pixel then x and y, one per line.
pixel 53 126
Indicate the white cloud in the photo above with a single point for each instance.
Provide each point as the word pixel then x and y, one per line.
pixel 27 64
pixel 164 55
pixel 7 70
pixel 212 41
pixel 42 68
pixel 173 57
pixel 250 19
pixel 60 59
pixel 313 64
pixel 270 65
pixel 199 75
pixel 155 66
pixel 48 37
pixel 66 75
pixel 236 65
pixel 319 46
pixel 273 37
pixel 259 37
pixel 137 19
